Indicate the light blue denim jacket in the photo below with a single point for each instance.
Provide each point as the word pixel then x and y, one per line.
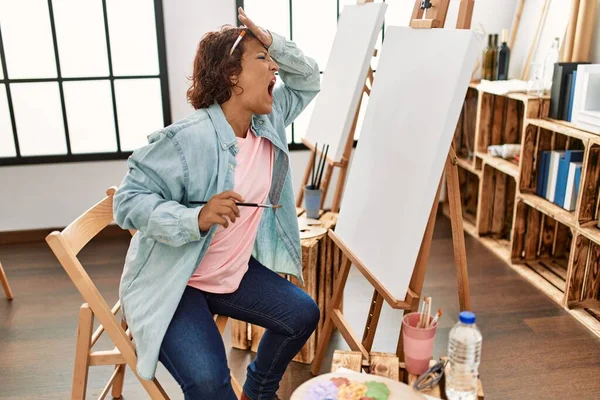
pixel 192 160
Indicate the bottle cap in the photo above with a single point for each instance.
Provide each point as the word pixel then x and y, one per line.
pixel 467 317
pixel 504 35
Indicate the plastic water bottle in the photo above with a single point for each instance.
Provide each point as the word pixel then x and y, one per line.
pixel 464 355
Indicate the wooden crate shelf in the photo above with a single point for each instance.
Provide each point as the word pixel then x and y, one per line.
pixel 468 164
pixel 538 236
pixel 508 167
pixel 555 249
pixel 469 193
pixel 496 203
pixel 561 127
pixel 550 209
pixel 584 276
pixel 464 136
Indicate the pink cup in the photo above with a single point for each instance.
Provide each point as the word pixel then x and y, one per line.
pixel 418 343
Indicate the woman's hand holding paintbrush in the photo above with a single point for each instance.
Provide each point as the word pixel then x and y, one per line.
pixel 223 205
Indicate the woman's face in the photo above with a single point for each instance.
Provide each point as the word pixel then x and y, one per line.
pixel 257 78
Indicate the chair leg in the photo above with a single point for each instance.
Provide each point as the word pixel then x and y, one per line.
pixel 117 389
pixel 4 279
pixel 82 363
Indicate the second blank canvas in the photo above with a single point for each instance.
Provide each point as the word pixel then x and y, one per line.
pixel 421 81
pixel 345 76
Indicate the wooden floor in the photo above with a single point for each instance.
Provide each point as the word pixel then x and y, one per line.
pixel 532 349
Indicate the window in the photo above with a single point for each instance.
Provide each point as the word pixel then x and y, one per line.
pixel 80 80
pixel 304 16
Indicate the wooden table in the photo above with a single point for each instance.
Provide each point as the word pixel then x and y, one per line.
pixel 321 261
pixel 388 365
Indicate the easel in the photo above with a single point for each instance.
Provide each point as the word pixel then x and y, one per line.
pixel 331 163
pixel 5 284
pixel 436 10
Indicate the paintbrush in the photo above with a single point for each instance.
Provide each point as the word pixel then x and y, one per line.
pixel 273 206
pixel 324 159
pixel 422 313
pixel 427 313
pixel 437 316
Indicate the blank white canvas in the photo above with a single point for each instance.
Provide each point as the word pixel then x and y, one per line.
pixel 414 107
pixel 345 76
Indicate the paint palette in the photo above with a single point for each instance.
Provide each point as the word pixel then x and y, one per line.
pixel 310 228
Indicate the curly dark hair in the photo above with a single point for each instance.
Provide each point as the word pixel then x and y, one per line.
pixel 214 67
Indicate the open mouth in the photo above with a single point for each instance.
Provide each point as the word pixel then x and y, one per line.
pixel 271 86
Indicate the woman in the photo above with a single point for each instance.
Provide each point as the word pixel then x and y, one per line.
pixel 188 262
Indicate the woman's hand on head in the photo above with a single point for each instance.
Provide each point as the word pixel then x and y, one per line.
pixel 218 207
pixel 263 35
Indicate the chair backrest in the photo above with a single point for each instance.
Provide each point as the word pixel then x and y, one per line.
pixel 67 243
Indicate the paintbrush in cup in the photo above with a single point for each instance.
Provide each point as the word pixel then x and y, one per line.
pixel 421 313
pixel 437 316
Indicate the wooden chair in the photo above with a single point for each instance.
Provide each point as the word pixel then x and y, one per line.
pixel 66 245
pixel 5 285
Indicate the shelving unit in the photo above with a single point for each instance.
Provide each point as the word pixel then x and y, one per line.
pixel 557 250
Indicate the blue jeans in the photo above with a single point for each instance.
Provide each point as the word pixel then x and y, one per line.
pixel 193 351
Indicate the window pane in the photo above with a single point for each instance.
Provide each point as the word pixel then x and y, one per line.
pixel 133 42
pixel 81 37
pixel 270 14
pixel 302 121
pixel 7 142
pixel 27 39
pixel 39 119
pixel 90 117
pixel 288 133
pixel 314 28
pixel 139 111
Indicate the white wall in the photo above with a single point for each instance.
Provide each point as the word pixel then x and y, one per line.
pixel 52 195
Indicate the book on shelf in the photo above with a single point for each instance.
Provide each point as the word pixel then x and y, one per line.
pixel 555 156
pixel 542 173
pixel 571 188
pixel 559 93
pixel 568 157
pixel 571 96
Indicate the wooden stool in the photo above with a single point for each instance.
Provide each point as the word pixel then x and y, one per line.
pixel 321 260
pixel 66 245
pixel 5 284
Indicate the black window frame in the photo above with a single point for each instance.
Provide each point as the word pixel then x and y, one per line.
pixel 102 156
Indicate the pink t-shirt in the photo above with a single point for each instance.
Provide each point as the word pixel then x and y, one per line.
pixel 226 260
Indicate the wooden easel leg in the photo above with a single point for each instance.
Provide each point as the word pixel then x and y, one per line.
pixel 372 320
pixel 327 330
pixel 418 277
pixel 84 339
pixel 4 280
pixel 339 189
pixel 305 179
pixel 458 235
